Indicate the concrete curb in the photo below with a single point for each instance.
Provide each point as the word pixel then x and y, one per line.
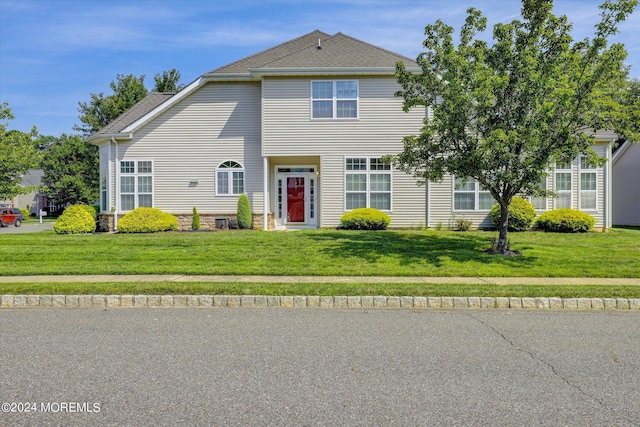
pixel 302 301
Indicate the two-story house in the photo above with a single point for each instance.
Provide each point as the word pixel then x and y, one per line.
pixel 301 129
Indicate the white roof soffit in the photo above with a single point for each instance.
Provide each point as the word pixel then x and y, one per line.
pixel 97 138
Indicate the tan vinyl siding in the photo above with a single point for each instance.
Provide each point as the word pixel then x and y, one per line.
pixel 379 130
pixel 441 210
pixel 186 143
pixel 332 190
pixel 289 129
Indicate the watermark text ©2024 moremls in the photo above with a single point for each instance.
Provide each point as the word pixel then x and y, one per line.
pixel 51 407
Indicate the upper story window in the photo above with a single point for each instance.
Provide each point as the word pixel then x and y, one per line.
pixel 334 99
pixel 230 179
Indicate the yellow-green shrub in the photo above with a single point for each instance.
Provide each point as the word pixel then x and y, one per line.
pixel 91 210
pixel 147 220
pixel 365 219
pixel 75 220
pixel 566 221
pixel 521 214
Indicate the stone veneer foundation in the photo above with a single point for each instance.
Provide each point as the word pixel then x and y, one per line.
pixel 208 222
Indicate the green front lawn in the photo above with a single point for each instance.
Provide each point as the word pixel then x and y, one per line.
pixel 323 253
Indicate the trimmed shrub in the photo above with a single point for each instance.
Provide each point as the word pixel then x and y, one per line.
pixel 91 210
pixel 195 221
pixel 25 214
pixel 521 214
pixel 75 220
pixel 365 219
pixel 244 212
pixel 147 220
pixel 566 221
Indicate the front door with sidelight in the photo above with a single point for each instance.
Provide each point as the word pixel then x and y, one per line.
pixel 296 196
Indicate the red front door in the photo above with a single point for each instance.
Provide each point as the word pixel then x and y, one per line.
pixel 295 199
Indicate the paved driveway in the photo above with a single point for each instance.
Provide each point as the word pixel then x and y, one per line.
pixel 31 226
pixel 292 367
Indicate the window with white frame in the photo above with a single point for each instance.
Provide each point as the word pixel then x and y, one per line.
pixel 563 178
pixel 588 185
pixel 136 184
pixel 230 178
pixel 367 183
pixel 104 199
pixel 470 195
pixel 334 99
pixel 540 203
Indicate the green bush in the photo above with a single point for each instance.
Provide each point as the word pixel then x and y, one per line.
pixel 365 219
pixel 25 214
pixel 566 221
pixel 91 210
pixel 521 214
pixel 147 220
pixel 195 220
pixel 244 212
pixel 75 220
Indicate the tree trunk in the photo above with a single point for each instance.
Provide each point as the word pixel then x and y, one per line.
pixel 503 228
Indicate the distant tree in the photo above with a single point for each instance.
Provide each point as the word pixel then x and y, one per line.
pixel 18 154
pixel 168 81
pixel 504 113
pixel 102 109
pixel 71 171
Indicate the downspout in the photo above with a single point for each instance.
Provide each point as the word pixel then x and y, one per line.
pixel 608 186
pixel 115 188
pixel 265 192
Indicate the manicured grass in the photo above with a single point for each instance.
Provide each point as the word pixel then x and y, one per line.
pixel 323 253
pixel 391 289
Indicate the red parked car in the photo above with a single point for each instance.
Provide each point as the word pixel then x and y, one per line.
pixel 10 216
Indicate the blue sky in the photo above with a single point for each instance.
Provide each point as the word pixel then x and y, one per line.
pixel 54 53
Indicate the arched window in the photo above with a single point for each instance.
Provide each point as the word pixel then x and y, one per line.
pixel 230 178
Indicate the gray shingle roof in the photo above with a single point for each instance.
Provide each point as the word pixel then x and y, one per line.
pixel 337 51
pixel 148 103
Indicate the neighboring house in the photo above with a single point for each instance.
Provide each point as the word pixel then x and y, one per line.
pixel 35 199
pixel 626 185
pixel 300 128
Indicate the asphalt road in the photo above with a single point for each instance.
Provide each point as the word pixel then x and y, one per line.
pixel 294 367
pixel 31 226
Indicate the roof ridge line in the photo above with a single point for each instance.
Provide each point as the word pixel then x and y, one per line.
pixel 268 49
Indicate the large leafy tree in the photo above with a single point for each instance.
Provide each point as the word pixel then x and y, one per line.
pixel 502 113
pixel 168 81
pixel 18 154
pixel 71 170
pixel 127 90
pixel 102 109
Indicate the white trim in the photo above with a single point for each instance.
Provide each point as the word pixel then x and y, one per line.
pixel 556 171
pixel 310 216
pixel 135 175
pixel 589 170
pixel 367 172
pixel 165 105
pixel 229 171
pixel 265 192
pixel 476 196
pixel 334 100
